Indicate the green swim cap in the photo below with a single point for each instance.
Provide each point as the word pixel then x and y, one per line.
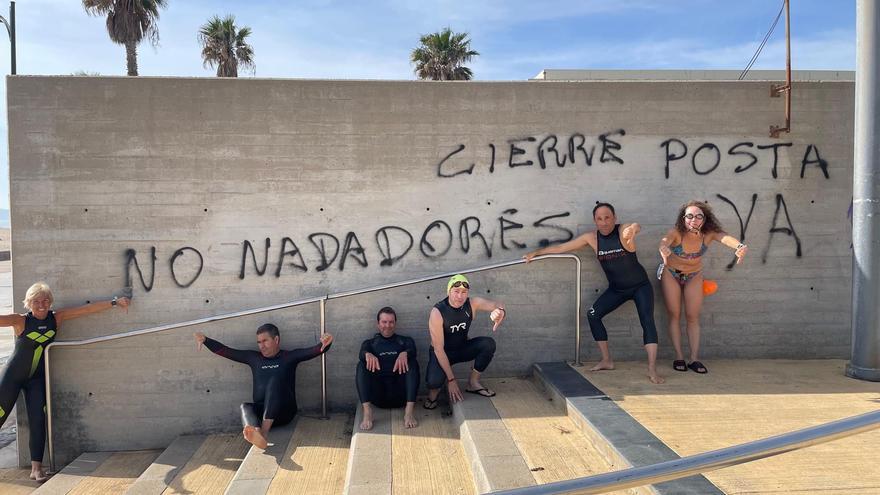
pixel 457 278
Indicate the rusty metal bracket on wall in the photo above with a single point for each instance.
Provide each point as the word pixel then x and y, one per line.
pixel 778 89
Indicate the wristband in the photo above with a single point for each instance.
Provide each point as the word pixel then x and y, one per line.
pixel 450 380
pixel 740 246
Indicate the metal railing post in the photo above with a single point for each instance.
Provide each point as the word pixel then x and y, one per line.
pixel 49 410
pixel 577 318
pixel 323 305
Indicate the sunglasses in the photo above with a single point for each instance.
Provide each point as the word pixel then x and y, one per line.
pixel 461 284
pixel 698 216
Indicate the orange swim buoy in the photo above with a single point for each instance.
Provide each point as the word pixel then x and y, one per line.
pixel 709 287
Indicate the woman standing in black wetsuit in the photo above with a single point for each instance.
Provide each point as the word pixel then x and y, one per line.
pixel 681 274
pixel 24 370
pixel 615 248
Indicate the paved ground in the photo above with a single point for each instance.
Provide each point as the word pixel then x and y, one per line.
pixel 744 400
pixel 8 453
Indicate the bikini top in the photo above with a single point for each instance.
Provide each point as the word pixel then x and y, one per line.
pixel 679 251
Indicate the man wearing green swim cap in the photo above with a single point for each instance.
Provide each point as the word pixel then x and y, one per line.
pixel 449 324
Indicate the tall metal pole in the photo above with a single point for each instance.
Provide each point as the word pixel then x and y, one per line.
pixel 10 29
pixel 865 361
pixel 12 32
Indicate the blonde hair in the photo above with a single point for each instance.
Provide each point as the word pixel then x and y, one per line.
pixel 35 291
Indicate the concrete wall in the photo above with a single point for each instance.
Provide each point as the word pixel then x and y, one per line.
pixel 408 179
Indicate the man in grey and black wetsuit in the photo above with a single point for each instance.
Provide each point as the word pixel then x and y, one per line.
pixel 274 375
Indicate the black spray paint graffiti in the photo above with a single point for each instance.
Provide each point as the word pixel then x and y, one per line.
pixel 437 239
pixel 774 226
pixel 131 259
pixel 393 243
pixel 522 152
pixel 707 157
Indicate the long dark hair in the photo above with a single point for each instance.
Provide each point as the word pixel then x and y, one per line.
pixel 710 223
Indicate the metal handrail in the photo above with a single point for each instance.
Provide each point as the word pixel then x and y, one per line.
pixel 707 461
pixel 322 300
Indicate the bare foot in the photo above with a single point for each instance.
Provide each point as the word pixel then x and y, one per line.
pixel 255 437
pixel 409 420
pixel 655 378
pixel 603 365
pixel 39 476
pixel 367 423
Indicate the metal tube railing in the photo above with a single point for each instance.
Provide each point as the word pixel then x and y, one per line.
pixel 322 302
pixel 707 461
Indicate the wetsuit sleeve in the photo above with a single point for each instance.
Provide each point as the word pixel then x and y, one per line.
pixel 366 347
pixel 409 345
pixel 236 355
pixel 300 355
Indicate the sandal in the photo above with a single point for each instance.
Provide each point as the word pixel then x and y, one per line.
pixel 679 365
pixel 431 404
pixel 483 392
pixel 698 367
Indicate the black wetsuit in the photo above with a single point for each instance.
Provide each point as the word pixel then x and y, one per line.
pixel 274 381
pixel 458 348
pixel 626 280
pixel 385 388
pixel 25 371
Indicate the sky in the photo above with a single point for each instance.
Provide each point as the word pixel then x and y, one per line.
pixel 516 39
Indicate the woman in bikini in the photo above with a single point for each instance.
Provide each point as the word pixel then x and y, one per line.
pixel 681 275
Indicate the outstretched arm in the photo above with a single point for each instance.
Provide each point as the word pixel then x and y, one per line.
pixel 588 239
pixel 672 238
pixel 496 310
pixel 728 240
pixel 14 320
pixel 628 233
pixel 316 350
pixel 237 355
pixel 87 309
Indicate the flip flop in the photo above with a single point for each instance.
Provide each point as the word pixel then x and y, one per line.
pixel 698 367
pixel 431 404
pixel 679 365
pixel 481 392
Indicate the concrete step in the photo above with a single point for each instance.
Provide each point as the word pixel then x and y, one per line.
pixel 70 476
pixel 211 467
pixel 393 459
pixel 315 459
pixel 99 472
pixel 495 460
pixel 16 481
pixel 155 479
pixel 622 440
pixel 259 467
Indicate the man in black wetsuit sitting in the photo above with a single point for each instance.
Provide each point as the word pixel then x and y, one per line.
pixel 387 372
pixel 274 373
pixel 615 247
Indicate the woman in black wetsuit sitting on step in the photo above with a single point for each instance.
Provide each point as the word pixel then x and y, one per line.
pixel 24 370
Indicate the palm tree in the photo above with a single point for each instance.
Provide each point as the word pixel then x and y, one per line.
pixel 225 45
pixel 128 23
pixel 440 56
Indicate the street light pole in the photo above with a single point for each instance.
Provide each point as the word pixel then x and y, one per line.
pixel 10 28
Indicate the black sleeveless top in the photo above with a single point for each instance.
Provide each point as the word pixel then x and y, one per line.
pixel 27 357
pixel 622 267
pixel 456 323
